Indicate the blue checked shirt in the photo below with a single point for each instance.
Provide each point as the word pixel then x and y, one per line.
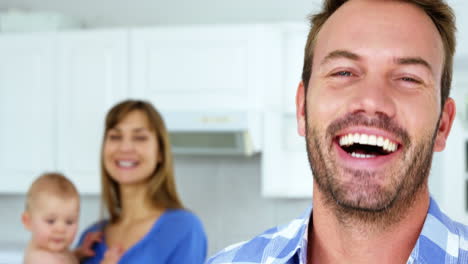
pixel 441 241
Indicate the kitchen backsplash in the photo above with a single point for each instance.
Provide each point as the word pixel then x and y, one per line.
pixel 223 191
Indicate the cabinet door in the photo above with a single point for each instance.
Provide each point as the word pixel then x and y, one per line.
pixel 295 38
pixel 92 76
pixel 26 109
pixel 461 9
pixel 216 67
pixel 285 169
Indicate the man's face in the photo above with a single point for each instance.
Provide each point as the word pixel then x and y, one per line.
pixel 372 107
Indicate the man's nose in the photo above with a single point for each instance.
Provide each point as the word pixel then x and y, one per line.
pixel 373 96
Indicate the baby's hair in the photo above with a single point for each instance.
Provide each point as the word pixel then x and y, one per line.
pixel 52 183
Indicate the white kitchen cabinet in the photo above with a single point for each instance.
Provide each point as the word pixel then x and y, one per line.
pixel 27 109
pixel 294 39
pixel 67 81
pixel 55 89
pixel 460 7
pixel 285 168
pixel 460 87
pixel 204 67
pixel 92 75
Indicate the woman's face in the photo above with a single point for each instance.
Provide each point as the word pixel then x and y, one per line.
pixel 131 149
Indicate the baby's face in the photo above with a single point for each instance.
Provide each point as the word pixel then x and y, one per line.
pixel 53 222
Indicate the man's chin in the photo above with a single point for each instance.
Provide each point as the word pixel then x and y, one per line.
pixel 370 198
pixel 365 204
pixel 362 190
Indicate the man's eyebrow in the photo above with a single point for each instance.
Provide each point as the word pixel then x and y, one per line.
pixel 413 61
pixel 353 56
pixel 341 54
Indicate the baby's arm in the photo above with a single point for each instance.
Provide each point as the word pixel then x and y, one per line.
pixel 85 249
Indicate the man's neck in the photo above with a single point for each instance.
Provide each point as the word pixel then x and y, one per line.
pixel 332 242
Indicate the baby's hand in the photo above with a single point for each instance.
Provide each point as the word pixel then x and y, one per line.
pixel 113 255
pixel 85 250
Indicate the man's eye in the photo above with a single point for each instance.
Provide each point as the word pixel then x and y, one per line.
pixel 409 79
pixel 342 74
pixel 70 222
pixel 50 221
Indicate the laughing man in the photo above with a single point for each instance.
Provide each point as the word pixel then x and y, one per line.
pixel 374 106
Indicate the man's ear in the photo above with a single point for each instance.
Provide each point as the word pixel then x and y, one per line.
pixel 445 124
pixel 300 109
pixel 26 219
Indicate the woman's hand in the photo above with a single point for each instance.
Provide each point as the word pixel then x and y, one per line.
pixel 113 255
pixel 85 250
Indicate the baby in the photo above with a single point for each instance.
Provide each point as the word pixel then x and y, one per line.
pixel 51 215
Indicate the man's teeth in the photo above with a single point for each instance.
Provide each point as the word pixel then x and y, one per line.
pixel 372 140
pixel 357 155
pixel 126 164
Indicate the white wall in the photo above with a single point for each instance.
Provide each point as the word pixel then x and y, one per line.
pixel 152 12
pixel 110 13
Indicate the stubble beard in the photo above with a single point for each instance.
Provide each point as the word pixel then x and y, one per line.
pixel 367 202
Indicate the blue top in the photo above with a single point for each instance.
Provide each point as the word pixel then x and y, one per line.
pixel 441 241
pixel 177 237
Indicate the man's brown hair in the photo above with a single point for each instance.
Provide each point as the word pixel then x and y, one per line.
pixel 439 12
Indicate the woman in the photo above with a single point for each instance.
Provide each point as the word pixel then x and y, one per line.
pixel 147 222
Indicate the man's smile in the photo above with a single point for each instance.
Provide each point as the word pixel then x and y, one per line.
pixel 366 145
pixel 365 148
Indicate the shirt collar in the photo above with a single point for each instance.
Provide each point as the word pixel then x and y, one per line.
pixel 438 230
pixel 435 224
pixel 299 227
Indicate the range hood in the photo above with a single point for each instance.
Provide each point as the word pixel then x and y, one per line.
pixel 214 132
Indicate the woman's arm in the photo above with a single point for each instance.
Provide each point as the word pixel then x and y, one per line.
pixel 84 249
